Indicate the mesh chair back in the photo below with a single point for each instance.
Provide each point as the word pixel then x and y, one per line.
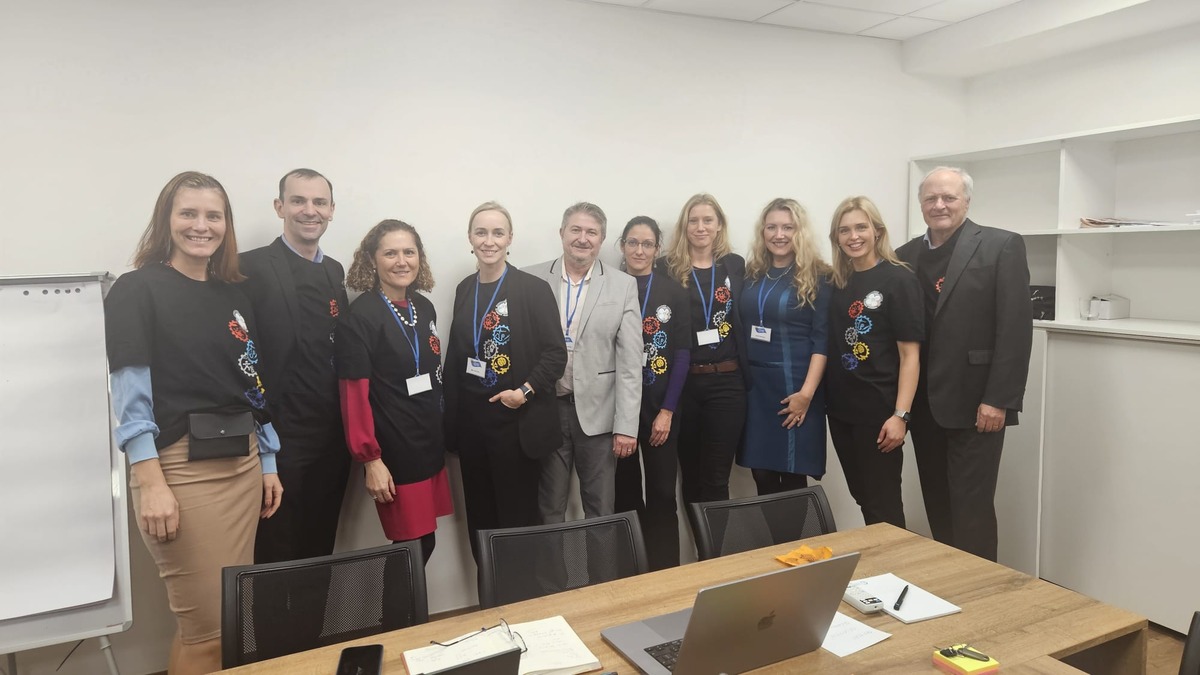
pixel 520 563
pixel 1190 663
pixel 736 525
pixel 275 609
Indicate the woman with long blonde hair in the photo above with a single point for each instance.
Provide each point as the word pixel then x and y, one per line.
pixel 786 306
pixel 877 318
pixel 713 405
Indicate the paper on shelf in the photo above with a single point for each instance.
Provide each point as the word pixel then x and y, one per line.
pixel 847 636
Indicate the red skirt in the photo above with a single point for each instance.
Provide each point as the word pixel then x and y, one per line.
pixel 415 510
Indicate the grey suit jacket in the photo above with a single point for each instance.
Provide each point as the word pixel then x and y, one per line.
pixel 607 362
pixel 982 328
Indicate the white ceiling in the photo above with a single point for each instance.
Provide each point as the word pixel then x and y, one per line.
pixel 888 19
pixel 956 38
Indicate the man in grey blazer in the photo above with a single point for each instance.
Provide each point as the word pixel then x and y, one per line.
pixel 600 393
pixel 974 361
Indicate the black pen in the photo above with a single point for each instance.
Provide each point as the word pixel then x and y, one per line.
pixel 900 600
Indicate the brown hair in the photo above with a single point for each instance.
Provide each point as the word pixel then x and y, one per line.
pixel 304 173
pixel 155 244
pixel 809 267
pixel 679 257
pixel 362 275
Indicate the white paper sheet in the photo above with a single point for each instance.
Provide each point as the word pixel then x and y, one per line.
pixel 56 491
pixel 847 636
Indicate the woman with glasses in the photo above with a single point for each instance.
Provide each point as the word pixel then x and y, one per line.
pixel 505 354
pixel 878 321
pixel 390 380
pixel 666 328
pixel 713 404
pixel 786 309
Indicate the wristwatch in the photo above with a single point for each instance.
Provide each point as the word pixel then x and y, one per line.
pixel 903 414
pixel 527 391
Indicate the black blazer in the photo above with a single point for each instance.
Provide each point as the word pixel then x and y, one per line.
pixel 539 357
pixel 272 291
pixel 982 330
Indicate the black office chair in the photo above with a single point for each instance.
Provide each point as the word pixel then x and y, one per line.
pixel 274 609
pixel 520 563
pixel 1190 663
pixel 736 525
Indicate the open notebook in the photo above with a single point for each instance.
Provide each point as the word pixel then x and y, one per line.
pixel 919 604
pixel 553 648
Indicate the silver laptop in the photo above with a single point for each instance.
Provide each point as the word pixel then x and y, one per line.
pixel 740 625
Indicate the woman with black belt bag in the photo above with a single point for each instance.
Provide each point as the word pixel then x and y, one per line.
pixel 191 410
pixel 714 397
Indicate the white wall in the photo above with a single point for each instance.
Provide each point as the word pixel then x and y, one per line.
pixel 421 110
pixel 1131 82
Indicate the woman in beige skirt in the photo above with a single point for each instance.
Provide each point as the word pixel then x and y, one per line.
pixel 191 410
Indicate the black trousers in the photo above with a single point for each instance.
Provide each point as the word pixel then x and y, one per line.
pixel 958 469
pixel 872 476
pixel 500 483
pixel 714 411
pixel 769 482
pixel 313 468
pixel 659 511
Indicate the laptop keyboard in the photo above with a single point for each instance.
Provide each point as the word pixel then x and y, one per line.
pixel 667 653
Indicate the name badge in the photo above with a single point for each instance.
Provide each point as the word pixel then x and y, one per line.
pixel 760 333
pixel 645 359
pixel 418 384
pixel 708 337
pixel 475 367
pixel 569 342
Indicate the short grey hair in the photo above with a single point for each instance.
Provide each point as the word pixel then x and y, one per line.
pixel 967 181
pixel 590 209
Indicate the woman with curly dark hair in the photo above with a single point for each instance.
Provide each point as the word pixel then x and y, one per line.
pixel 390 380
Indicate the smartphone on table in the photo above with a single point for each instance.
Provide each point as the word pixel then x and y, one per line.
pixel 364 660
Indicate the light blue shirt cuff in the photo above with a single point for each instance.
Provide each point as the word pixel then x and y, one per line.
pixel 268 445
pixel 141 448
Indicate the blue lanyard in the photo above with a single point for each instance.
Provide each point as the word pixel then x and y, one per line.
pixel 706 304
pixel 649 283
pixel 567 302
pixel 414 341
pixel 477 326
pixel 762 301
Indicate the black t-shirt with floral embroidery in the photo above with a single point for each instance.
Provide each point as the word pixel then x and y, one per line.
pixel 197 337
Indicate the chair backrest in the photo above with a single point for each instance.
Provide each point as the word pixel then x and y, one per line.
pixel 274 609
pixel 736 525
pixel 520 563
pixel 1190 663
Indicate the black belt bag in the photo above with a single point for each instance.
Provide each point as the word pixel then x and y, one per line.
pixel 219 435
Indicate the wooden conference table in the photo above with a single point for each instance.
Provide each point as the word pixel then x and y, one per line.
pixel 1029 625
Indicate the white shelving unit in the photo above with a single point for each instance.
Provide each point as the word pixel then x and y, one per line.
pixel 1104 447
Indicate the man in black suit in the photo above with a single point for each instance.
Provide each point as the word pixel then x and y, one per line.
pixel 974 361
pixel 297 293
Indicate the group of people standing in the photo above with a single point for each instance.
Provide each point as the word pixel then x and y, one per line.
pixel 237 377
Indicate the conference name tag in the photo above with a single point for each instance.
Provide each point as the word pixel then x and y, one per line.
pixel 645 358
pixel 570 343
pixel 760 333
pixel 708 337
pixel 418 384
pixel 475 367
